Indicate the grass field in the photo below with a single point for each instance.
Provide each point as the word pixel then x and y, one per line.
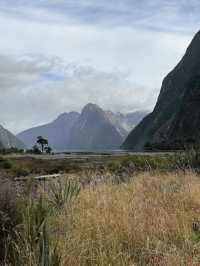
pixel 17 165
pixel 130 210
pixel 148 221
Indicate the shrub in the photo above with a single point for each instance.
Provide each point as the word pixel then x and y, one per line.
pixel 63 193
pixel 24 229
pixel 11 150
pixel 21 172
pixel 9 220
pixel 6 164
pixel 190 159
pixel 52 171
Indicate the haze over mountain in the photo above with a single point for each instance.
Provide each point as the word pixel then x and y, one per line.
pixel 176 117
pixel 94 131
pixel 94 128
pixel 124 123
pixel 57 132
pixel 8 140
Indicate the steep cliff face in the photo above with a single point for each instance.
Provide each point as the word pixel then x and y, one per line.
pixel 176 116
pixel 8 140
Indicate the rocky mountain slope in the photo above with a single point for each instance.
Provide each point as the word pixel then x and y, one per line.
pixel 57 132
pixel 93 130
pixel 8 140
pixel 176 117
pixel 87 130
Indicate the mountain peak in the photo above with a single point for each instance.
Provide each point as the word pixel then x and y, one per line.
pixel 91 107
pixel 93 112
pixel 94 128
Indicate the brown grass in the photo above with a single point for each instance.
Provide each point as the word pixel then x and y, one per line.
pixel 145 222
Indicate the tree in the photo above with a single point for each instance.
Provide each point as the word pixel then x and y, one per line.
pixel 48 150
pixel 42 142
pixel 36 150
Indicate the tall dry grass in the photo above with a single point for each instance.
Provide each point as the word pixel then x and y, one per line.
pixel 147 221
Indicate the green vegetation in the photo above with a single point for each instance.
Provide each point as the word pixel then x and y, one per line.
pixel 111 210
pixel 41 146
pixel 152 219
pixel 180 144
pixel 11 151
pixel 63 194
pixel 48 150
pixel 9 220
pixel 42 142
pixel 118 165
pixel 25 225
pixel 27 166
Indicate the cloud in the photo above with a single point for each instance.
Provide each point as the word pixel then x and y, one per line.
pixel 34 97
pixel 113 13
pixel 56 56
pixel 107 49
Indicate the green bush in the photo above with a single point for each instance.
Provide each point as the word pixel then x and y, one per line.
pixel 63 193
pixel 190 159
pixel 20 172
pixel 25 232
pixel 9 220
pixel 11 151
pixel 52 171
pixel 6 164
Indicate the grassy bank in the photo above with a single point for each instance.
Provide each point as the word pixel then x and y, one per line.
pixel 152 219
pixel 26 165
pixel 119 165
pixel 104 210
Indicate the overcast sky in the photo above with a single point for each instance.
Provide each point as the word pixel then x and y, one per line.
pixel 56 56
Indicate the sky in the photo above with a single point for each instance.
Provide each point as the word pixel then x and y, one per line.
pixel 57 56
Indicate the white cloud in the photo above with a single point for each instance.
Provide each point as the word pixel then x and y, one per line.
pixel 59 55
pixel 36 94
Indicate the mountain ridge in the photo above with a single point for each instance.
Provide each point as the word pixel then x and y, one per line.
pixel 9 140
pixel 163 125
pixel 57 138
pixel 58 132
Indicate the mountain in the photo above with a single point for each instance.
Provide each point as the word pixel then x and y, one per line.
pixel 94 131
pixel 57 132
pixel 8 140
pixel 124 123
pixel 176 116
pixel 94 128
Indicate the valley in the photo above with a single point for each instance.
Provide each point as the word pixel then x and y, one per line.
pixel 98 166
